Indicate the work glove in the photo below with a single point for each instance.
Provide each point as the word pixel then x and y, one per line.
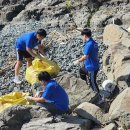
pixel 76 62
pixel 38 94
pixel 28 98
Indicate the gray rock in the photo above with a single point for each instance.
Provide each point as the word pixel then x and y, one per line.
pixel 68 122
pixel 120 104
pixel 77 90
pixel 111 126
pixel 126 18
pixel 17 115
pixel 99 19
pixel 7 14
pixel 111 61
pixel 91 112
pixel 119 108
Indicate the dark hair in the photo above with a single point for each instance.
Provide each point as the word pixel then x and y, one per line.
pixel 86 32
pixel 42 32
pixel 44 76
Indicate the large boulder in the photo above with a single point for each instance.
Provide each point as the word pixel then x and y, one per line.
pixel 40 11
pixel 66 123
pixel 116 59
pixel 100 18
pixel 77 90
pixel 9 12
pixel 113 34
pixel 120 108
pixel 111 126
pixel 126 18
pixel 120 104
pixel 14 117
pixel 81 16
pixel 91 112
pixel 34 117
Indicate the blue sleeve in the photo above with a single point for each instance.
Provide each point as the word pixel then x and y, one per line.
pixel 87 49
pixel 47 93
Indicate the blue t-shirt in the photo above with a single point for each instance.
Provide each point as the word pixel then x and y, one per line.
pixel 55 94
pixel 27 40
pixel 91 49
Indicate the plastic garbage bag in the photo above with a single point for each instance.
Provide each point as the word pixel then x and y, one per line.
pixel 13 98
pixel 38 66
pixel 108 85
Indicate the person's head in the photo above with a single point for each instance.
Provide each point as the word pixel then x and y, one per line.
pixel 44 77
pixel 86 33
pixel 41 33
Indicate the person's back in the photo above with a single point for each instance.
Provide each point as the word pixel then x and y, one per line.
pixel 92 62
pixel 90 57
pixel 55 94
pixel 27 40
pixel 24 46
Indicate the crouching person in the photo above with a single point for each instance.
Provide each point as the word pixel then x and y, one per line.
pixel 54 98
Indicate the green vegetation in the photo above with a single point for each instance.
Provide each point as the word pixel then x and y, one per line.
pixel 88 21
pixel 68 4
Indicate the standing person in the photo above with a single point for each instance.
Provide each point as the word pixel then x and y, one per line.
pixel 90 58
pixel 24 49
pixel 54 98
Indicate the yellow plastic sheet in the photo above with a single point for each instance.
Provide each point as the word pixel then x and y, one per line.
pixel 13 98
pixel 38 66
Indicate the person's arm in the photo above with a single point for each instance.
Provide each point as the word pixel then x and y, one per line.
pixel 41 49
pixel 87 50
pixel 45 96
pixel 30 51
pixel 38 99
pixel 84 57
pixel 29 47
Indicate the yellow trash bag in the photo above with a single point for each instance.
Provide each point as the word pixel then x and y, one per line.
pixel 13 98
pixel 38 66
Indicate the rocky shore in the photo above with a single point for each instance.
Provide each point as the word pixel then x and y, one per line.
pixel 62 20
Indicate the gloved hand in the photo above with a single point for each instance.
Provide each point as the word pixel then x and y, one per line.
pixel 38 94
pixel 28 98
pixel 76 62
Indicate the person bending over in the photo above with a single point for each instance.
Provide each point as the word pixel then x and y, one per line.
pixel 24 49
pixel 54 98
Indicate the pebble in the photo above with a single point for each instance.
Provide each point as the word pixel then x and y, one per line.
pixel 63 54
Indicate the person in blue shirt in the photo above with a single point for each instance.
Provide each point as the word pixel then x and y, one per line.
pixel 90 58
pixel 24 49
pixel 54 98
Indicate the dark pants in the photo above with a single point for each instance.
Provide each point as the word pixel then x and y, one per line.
pixel 90 76
pixel 51 108
pixel 22 54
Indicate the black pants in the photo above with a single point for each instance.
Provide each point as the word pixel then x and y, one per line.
pixel 22 54
pixel 51 108
pixel 90 77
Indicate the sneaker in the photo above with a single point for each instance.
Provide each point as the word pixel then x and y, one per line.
pixel 17 81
